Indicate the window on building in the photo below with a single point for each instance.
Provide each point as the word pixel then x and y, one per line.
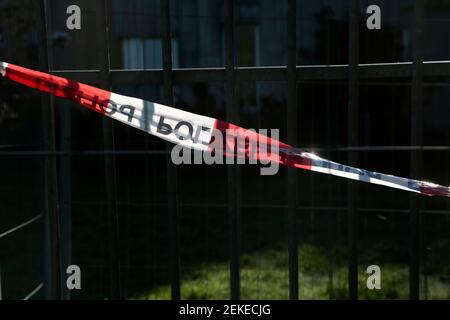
pixel 142 53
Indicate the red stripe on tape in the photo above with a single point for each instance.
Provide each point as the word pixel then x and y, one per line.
pixel 88 96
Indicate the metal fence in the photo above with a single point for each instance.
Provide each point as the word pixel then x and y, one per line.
pixel 232 76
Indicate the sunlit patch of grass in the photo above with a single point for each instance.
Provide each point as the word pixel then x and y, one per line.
pixel 264 275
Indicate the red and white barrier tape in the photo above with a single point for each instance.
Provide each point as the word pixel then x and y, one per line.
pixel 195 131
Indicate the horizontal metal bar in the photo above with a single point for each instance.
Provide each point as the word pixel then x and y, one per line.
pixel 163 152
pixel 256 206
pixel 88 76
pixel 5 146
pixel 84 153
pixel 34 291
pixel 270 73
pixel 20 226
pixel 390 148
pixel 136 76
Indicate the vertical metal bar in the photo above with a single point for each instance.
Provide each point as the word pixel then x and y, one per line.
pixel 352 134
pixel 64 114
pixel 416 155
pixel 52 270
pixel 447 216
pixel 65 191
pixel 1 295
pixel 331 215
pixel 110 160
pixel 233 170
pixel 292 183
pixel 172 178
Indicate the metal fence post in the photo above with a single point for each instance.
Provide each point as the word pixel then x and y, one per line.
pixel 292 130
pixel 416 155
pixel 172 178
pixel 52 269
pixel 352 135
pixel 233 170
pixel 110 160
pixel 65 192
pixel 64 116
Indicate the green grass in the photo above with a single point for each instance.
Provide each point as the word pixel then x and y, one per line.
pixel 264 275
